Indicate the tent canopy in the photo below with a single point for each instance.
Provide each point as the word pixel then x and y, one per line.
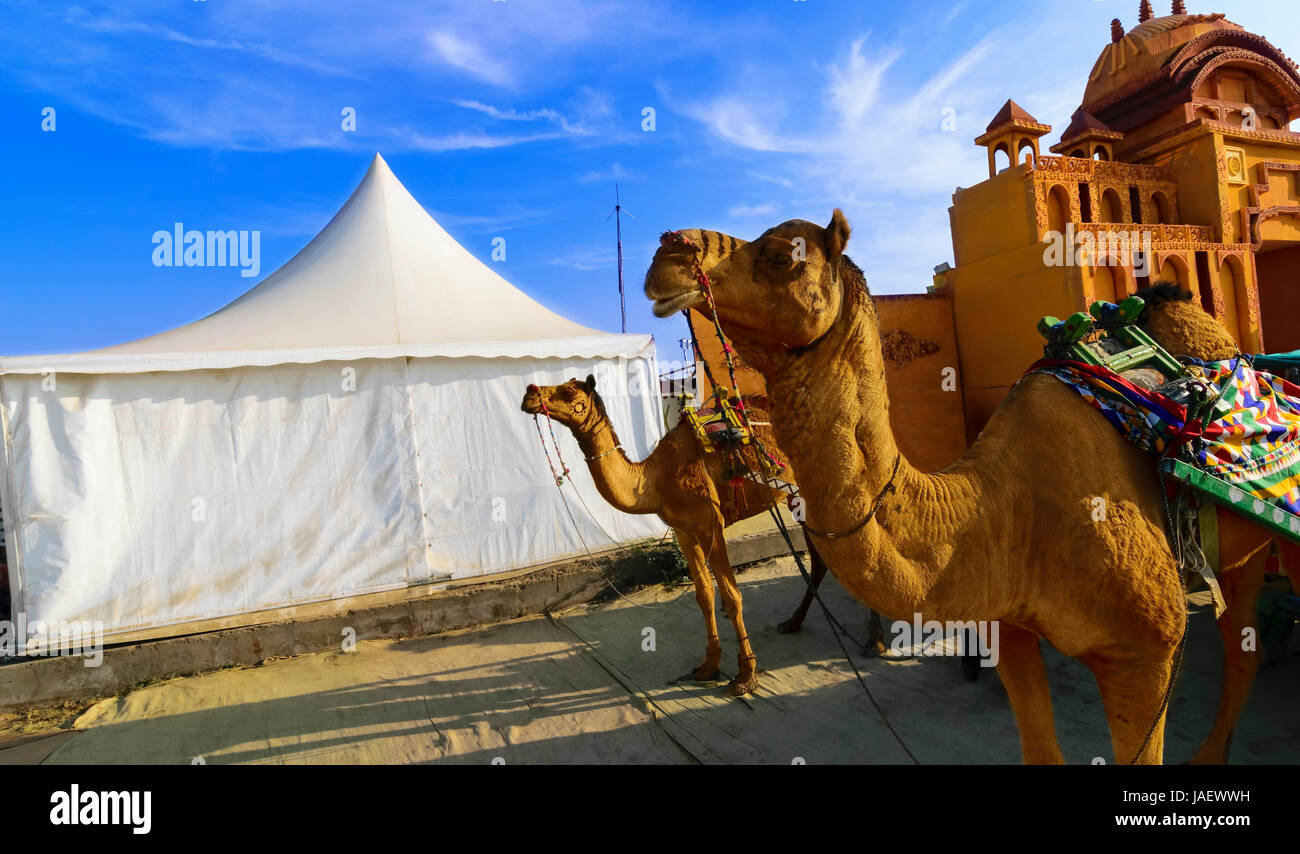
pixel 231 467
pixel 420 294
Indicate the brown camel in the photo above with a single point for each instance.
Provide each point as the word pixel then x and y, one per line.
pixel 1182 327
pixel 1006 533
pixel 691 491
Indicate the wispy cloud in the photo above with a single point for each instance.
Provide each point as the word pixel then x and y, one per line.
pixel 753 210
pixel 492 222
pixel 466 55
pixel 464 141
pixel 78 17
pixel 615 172
pixel 586 259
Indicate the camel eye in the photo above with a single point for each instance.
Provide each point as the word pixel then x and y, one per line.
pixel 781 259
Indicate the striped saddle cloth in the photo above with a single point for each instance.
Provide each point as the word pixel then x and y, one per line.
pixel 1252 441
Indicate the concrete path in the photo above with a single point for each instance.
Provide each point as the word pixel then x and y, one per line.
pixel 583 688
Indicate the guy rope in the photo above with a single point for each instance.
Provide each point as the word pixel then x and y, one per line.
pixel 559 485
pixel 771 467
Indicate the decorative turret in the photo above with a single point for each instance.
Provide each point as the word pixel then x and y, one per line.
pixel 1012 130
pixel 1144 11
pixel 1179 8
pixel 1088 136
pixel 1116 30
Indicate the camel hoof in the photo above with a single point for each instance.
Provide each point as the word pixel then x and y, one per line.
pixel 699 674
pixel 739 687
pixel 874 650
pixel 790 626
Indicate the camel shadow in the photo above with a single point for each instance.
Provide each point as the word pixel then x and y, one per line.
pixel 593 686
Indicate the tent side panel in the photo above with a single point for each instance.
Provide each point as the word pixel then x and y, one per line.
pixel 147 500
pixel 492 504
pixel 7 499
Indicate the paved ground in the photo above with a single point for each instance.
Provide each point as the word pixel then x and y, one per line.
pixel 581 688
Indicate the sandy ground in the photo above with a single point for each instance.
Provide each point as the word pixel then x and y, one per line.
pixel 581 688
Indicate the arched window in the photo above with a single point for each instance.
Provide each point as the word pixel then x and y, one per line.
pixel 1058 208
pixel 1025 145
pixel 1112 210
pixel 1163 208
pixel 1099 153
pixel 1232 284
pixel 1174 269
pixel 1001 159
pixel 1103 283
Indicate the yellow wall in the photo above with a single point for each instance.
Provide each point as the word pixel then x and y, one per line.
pixel 1194 167
pixel 992 217
pixel 928 421
pixel 997 303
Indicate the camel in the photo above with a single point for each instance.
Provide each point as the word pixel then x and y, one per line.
pixel 693 494
pixel 1005 533
pixel 1182 327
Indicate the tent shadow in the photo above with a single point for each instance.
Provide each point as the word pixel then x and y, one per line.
pixel 581 689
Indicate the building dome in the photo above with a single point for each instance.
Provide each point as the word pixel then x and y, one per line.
pixel 1163 61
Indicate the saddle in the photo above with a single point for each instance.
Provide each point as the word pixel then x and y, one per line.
pixel 1223 431
pixel 719 426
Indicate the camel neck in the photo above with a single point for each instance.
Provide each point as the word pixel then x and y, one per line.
pixel 836 391
pixel 621 482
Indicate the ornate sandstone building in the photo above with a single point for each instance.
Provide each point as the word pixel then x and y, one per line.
pixel 1178 165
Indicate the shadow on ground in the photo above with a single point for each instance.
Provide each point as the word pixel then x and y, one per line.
pixel 584 688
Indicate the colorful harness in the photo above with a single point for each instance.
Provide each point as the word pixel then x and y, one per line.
pixel 1226 429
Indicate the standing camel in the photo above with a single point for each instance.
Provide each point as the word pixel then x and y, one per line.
pixel 1183 328
pixel 1006 533
pixel 687 488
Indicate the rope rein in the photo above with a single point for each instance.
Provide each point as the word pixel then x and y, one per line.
pixel 887 489
pixel 837 628
pixel 559 485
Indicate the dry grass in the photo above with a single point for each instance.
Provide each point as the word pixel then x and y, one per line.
pixel 45 719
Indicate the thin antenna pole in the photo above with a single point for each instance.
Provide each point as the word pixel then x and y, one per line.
pixel 618 230
pixel 617 213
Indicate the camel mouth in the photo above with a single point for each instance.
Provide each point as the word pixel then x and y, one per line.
pixel 666 306
pixel 532 404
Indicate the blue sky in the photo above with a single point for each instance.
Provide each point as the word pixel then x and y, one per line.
pixel 508 118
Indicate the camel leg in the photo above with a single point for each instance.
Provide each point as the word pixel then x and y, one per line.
pixel 816 572
pixel 747 676
pixel 1023 674
pixel 1132 691
pixel 875 643
pixel 697 562
pixel 1241 586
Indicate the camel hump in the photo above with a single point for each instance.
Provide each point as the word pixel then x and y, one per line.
pixel 1181 326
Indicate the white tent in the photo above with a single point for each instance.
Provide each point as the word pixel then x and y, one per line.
pixel 349 425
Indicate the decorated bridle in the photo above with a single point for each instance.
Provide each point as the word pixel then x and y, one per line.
pixel 676 238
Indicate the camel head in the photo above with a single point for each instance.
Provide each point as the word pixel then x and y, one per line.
pixel 1181 326
pixel 778 292
pixel 572 404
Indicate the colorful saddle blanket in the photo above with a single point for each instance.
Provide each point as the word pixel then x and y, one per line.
pixel 1252 441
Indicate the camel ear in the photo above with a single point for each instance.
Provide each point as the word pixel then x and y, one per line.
pixel 591 382
pixel 837 235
